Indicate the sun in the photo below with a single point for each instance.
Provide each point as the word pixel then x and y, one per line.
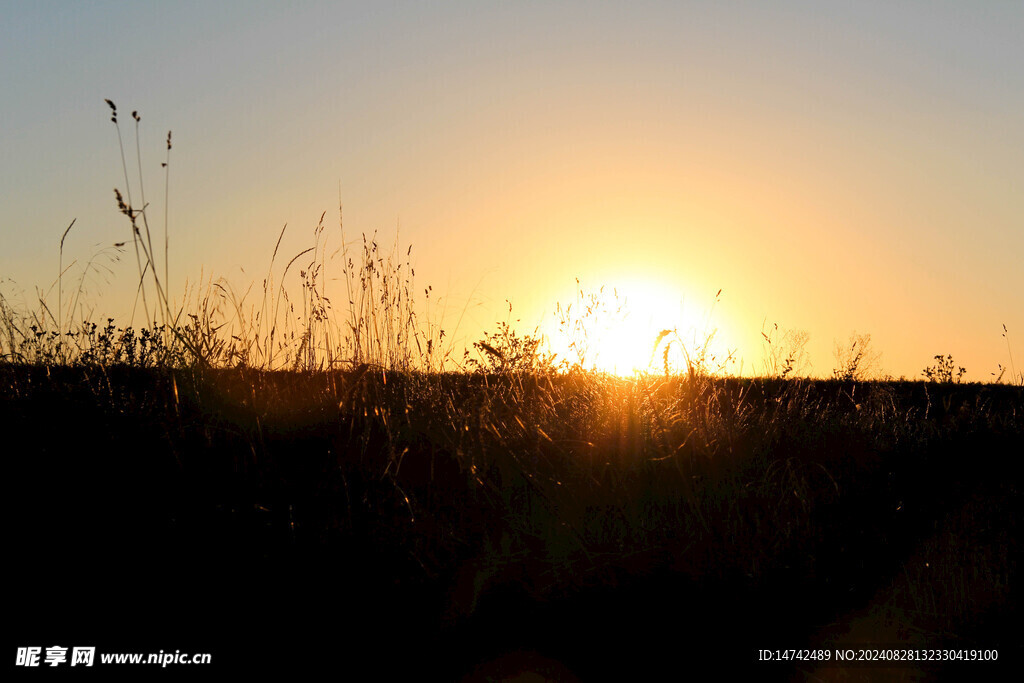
pixel 624 328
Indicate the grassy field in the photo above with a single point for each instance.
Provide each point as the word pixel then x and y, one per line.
pixel 434 522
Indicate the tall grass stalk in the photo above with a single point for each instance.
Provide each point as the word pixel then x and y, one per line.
pixel 126 208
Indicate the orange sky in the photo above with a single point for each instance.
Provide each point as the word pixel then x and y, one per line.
pixel 829 168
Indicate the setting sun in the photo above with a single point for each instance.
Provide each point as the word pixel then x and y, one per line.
pixel 636 325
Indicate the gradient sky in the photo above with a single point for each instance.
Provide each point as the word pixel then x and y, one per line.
pixel 832 167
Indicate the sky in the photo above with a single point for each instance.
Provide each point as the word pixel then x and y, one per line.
pixel 833 168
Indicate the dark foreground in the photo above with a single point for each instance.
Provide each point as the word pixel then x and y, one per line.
pixel 457 527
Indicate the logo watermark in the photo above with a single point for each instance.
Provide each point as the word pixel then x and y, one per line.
pixel 58 655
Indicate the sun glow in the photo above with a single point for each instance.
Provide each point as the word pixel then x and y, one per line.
pixel 637 326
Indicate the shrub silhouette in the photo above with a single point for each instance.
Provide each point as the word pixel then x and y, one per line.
pixel 943 370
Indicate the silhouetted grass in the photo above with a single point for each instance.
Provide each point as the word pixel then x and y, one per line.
pixel 469 504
